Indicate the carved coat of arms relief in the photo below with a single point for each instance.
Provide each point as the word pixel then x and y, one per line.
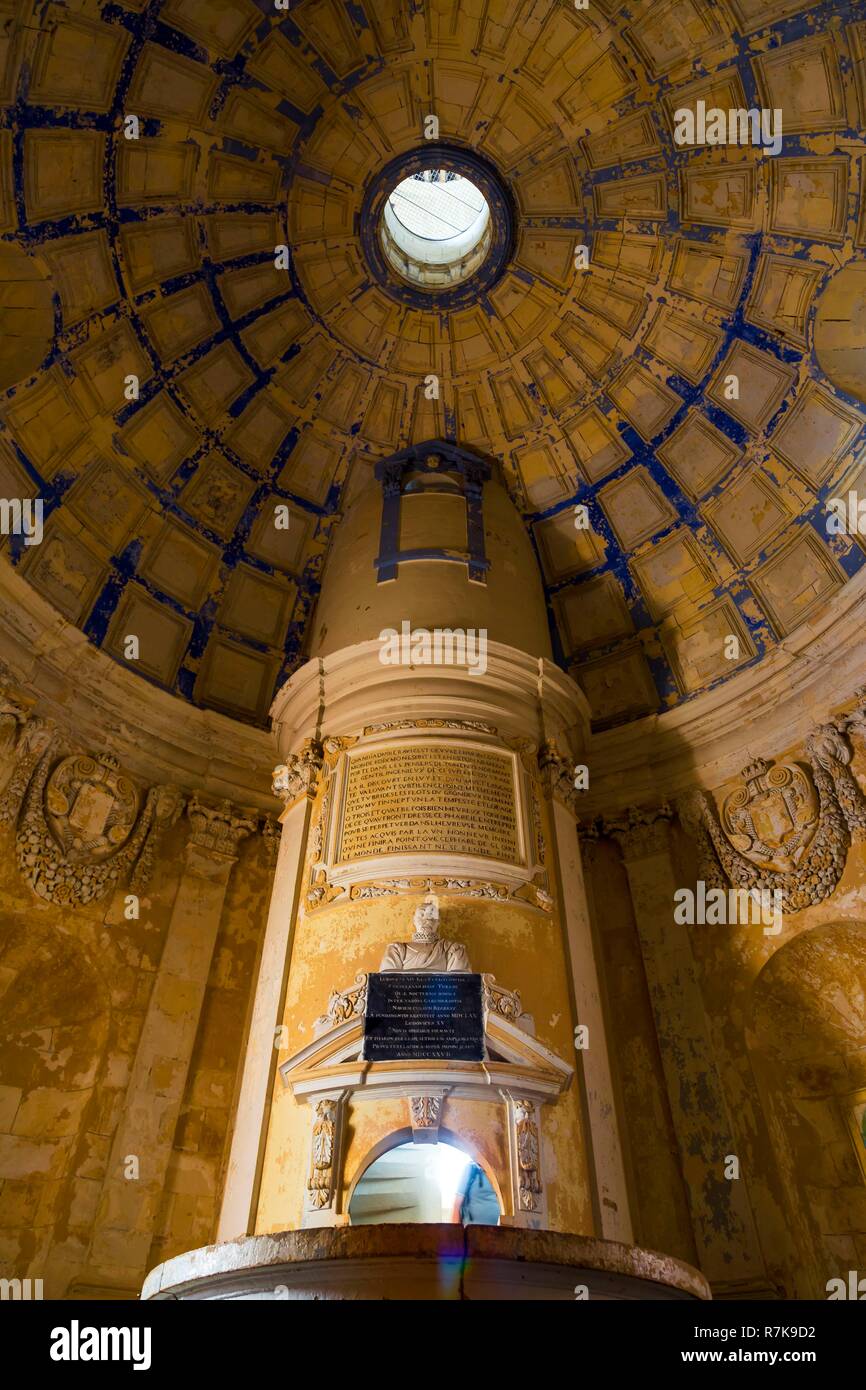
pixel 773 818
pixel 84 826
pixel 90 807
pixel 787 827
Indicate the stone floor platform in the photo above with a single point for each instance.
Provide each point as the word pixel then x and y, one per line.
pixel 421 1262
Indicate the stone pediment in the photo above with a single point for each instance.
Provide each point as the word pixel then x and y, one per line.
pixel 331 1065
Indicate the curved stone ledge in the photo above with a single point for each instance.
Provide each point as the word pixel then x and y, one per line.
pixel 445 1262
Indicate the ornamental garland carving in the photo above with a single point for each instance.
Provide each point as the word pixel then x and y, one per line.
pixel 28 745
pixel 787 828
pixel 322 892
pixel 527 1151
pixel 82 827
pixel 470 725
pixel 320 1184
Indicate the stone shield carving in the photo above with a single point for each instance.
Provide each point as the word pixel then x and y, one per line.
pixel 786 829
pixel 90 808
pixel 774 816
pixel 82 828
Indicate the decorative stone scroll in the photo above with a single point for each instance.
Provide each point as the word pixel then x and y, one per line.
pixel 323 1155
pixel 504 1002
pixel 26 739
pixel 14 714
pixel 786 828
pixel 526 1155
pixel 557 774
pixel 425 1114
pixel 343 1005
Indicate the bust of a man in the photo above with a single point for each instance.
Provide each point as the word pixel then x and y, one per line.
pixel 426 951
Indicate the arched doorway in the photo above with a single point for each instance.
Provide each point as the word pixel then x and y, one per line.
pixel 424 1183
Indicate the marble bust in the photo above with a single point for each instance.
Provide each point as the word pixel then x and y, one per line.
pixel 426 951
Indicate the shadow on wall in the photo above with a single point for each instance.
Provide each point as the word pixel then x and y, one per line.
pixel 808 1043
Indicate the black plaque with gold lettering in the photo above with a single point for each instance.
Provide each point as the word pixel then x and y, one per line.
pixel 424 1016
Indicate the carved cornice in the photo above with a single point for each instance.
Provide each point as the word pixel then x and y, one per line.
pixel 350 689
pixel 217 831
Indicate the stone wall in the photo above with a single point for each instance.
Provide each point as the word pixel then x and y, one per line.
pixel 124 1012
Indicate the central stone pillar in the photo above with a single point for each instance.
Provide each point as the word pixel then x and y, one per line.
pixel 414 762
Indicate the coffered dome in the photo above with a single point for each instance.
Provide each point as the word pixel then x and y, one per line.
pixel 203 185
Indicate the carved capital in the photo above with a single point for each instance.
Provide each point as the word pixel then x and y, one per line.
pixel 271 839
pixel 558 774
pixel 299 775
pixel 641 831
pixel 216 831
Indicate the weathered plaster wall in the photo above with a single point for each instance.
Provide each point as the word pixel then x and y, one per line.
pixel 761 1038
pixel 119 1048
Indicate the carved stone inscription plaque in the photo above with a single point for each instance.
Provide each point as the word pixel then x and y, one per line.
pixel 430 799
pixel 424 1016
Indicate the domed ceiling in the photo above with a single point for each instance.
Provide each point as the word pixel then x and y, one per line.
pixel 259 386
